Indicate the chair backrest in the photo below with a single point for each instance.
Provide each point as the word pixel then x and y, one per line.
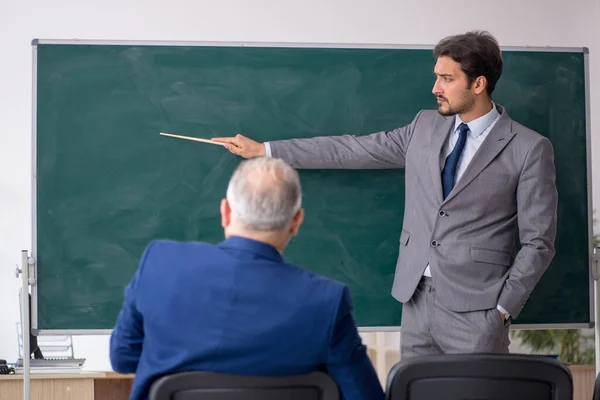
pixel 480 376
pixel 215 386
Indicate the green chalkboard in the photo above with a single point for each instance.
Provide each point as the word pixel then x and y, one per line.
pixel 106 183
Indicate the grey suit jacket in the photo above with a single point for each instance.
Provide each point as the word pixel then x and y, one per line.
pixel 470 238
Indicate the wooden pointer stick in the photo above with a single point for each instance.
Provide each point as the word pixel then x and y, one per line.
pixel 191 138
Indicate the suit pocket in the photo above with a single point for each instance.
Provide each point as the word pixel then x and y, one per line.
pixel 496 320
pixel 404 236
pixel 490 256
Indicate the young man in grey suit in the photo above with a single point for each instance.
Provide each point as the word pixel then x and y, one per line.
pixel 475 179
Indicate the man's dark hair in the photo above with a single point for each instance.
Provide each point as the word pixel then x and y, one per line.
pixel 478 54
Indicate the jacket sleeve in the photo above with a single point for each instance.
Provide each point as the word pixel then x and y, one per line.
pixel 537 202
pixel 379 150
pixel 347 360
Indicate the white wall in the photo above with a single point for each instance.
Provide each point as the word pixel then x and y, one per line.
pixel 514 22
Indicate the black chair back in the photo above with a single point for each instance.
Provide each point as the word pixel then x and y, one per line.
pixel 216 386
pixel 481 377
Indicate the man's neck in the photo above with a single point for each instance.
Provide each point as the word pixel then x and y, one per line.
pixel 479 110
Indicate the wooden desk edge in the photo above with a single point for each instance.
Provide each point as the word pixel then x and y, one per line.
pixel 115 375
pixel 76 375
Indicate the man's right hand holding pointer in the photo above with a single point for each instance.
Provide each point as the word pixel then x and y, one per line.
pixel 242 146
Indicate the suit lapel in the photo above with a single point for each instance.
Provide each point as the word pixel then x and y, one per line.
pixel 439 136
pixel 493 144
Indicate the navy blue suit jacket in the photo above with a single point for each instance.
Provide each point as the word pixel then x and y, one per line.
pixel 236 308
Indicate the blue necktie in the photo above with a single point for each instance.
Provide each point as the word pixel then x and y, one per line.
pixel 449 171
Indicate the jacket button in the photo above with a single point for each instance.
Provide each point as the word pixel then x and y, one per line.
pixel 442 213
pixel 434 243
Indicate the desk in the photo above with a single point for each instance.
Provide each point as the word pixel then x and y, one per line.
pixel 78 386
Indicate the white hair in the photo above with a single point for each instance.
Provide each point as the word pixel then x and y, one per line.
pixel 264 193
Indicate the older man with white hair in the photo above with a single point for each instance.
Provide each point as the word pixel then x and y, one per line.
pixel 238 307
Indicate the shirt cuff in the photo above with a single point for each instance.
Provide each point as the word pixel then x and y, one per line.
pixel 502 310
pixel 267 149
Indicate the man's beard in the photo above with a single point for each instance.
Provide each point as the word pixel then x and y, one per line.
pixel 465 105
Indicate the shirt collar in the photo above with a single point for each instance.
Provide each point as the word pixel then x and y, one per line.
pixel 479 125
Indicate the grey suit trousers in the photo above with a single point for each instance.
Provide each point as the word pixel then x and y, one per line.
pixel 430 328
